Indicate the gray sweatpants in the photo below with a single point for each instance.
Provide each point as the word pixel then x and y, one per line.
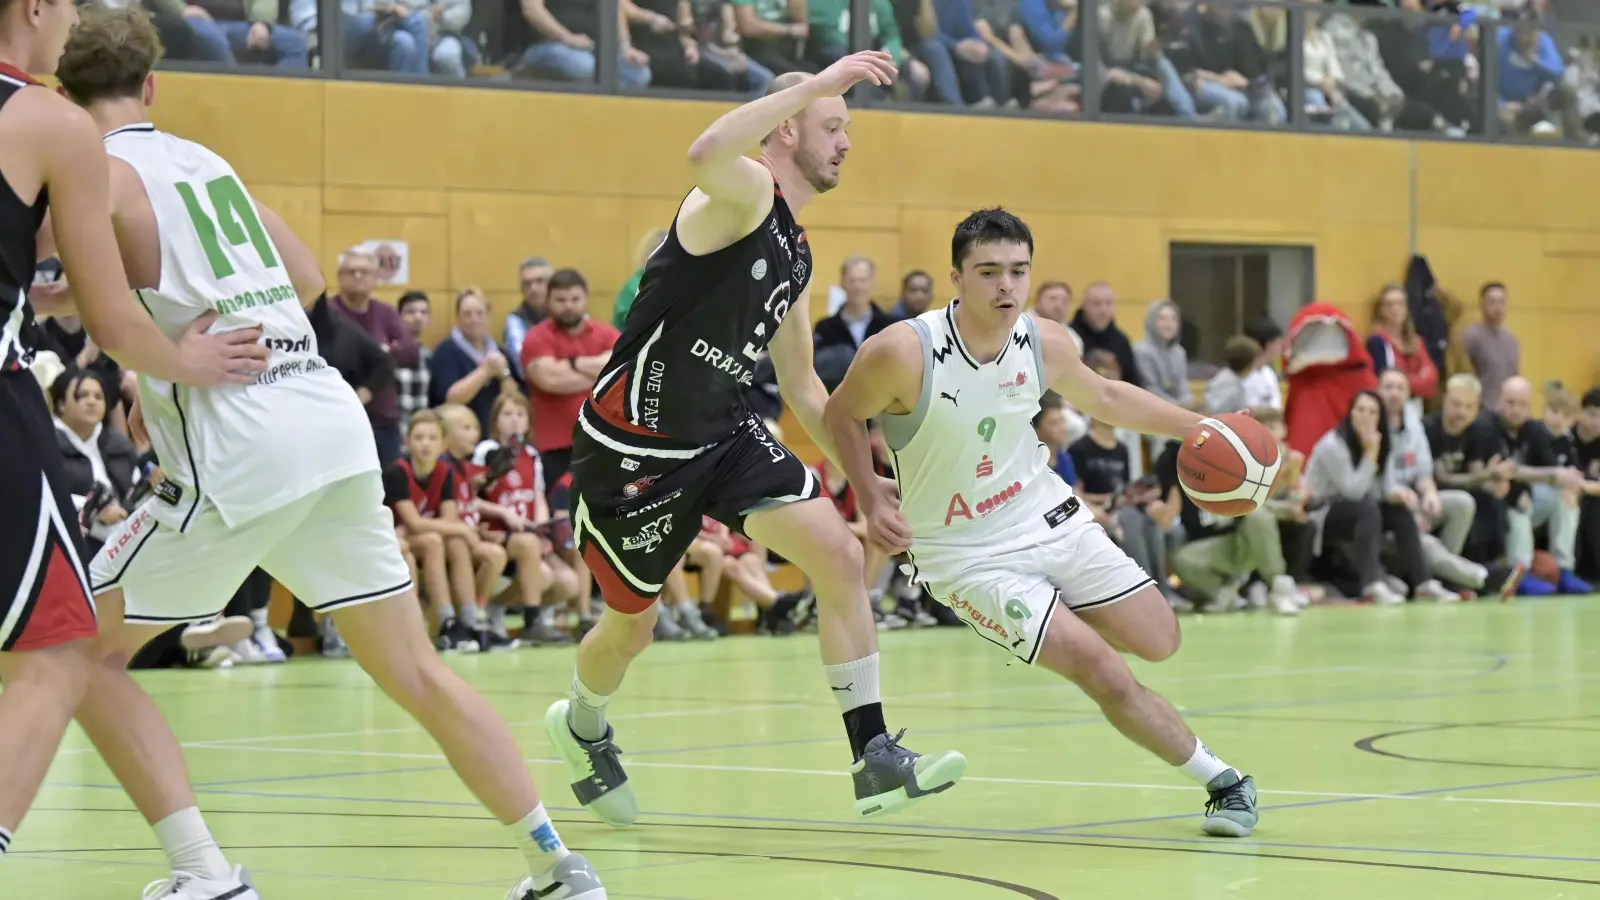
pixel 1206 565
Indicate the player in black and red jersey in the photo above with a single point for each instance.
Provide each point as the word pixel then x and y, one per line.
pixel 667 435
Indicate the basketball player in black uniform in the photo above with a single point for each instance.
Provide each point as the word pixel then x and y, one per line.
pixel 666 434
pixel 52 162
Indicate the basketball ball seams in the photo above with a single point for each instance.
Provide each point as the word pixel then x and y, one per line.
pixel 1235 493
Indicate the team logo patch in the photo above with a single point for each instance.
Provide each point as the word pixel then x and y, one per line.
pixel 1014 387
pixel 985 467
pixel 650 536
pixel 758 270
pixel 634 488
pixel 630 465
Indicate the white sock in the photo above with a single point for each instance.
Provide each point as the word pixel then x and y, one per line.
pixel 446 612
pixel 258 617
pixel 497 619
pixel 469 616
pixel 536 837
pixel 854 684
pixel 587 717
pixel 1203 766
pixel 190 847
pixel 5 841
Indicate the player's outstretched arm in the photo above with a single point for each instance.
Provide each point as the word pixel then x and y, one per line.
pixel 297 258
pixel 1116 403
pixel 794 361
pixel 878 381
pixel 78 176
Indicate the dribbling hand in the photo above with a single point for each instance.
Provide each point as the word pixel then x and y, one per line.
pixel 232 357
pixel 888 530
pixel 873 66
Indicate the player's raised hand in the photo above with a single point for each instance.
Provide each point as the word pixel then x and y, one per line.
pixel 231 357
pixel 873 66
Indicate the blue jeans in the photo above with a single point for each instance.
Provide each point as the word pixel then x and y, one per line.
pixel 1263 104
pixel 454 55
pixel 286 47
pixel 988 80
pixel 1174 90
pixel 401 47
pixel 756 76
pixel 208 41
pixel 572 64
pixel 942 71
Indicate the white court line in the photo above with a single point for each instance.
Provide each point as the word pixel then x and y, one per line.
pixel 830 773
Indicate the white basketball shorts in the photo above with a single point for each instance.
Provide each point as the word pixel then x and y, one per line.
pixel 1009 598
pixel 332 548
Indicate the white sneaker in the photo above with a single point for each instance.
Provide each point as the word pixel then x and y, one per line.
pixel 186 886
pixel 1382 595
pixel 218 632
pixel 1224 601
pixel 1433 590
pixel 267 642
pixel 1256 595
pixel 246 653
pixel 1285 596
pixel 572 879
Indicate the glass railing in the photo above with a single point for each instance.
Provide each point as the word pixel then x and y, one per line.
pixel 1499 69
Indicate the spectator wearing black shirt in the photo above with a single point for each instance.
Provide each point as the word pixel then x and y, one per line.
pixel 839 336
pixel 1096 323
pixel 355 356
pixel 1230 68
pixel 1466 448
pixel 411 382
pixel 1542 491
pixel 1586 446
pixel 1134 515
pixel 100 464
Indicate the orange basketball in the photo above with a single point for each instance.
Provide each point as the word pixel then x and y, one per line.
pixel 1227 464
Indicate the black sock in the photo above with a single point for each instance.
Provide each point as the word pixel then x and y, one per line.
pixel 863 724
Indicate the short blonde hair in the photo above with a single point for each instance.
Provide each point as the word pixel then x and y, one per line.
pixel 454 415
pixel 1463 381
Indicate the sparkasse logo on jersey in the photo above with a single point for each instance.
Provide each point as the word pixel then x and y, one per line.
pixel 1014 387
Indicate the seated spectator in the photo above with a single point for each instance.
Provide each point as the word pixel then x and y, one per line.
pixel 1368 84
pixel 1344 478
pixel 468 367
pixel 983 74
pixel 1394 344
pixel 1262 385
pixel 916 295
pixel 838 336
pixel 412 382
pixel 717 31
pixel 1270 25
pixel 453 53
pixel 664 30
pixel 1225 391
pixel 719 554
pixel 1466 448
pixel 1586 449
pixel 564 50
pixel 773 33
pixel 1542 492
pixel 1408 482
pixel 1534 95
pixel 100 466
pixel 1446 82
pixel 1163 364
pixel 630 290
pixel 1052 302
pixel 473 585
pixel 1583 78
pixel 1095 323
pixel 1230 77
pixel 1325 98
pixel 1133 514
pixel 1051 28
pixel 1049 83
pixel 421 493
pixel 1053 426
pixel 919 29
pixel 829 40
pixel 383 35
pixel 247 31
pixel 516 515
pixel 1297 533
pixel 1137 76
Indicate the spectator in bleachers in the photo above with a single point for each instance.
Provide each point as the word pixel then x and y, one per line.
pixel 1297 534
pixel 1230 75
pixel 717 30
pixel 1051 29
pixel 1270 26
pixel 412 382
pixel 1586 447
pixel 533 279
pixel 1466 447
pixel 1058 427
pixel 382 35
pixel 773 33
pixel 468 367
pixel 829 40
pixel 422 495
pixel 1491 346
pixel 984 75
pixel 100 465
pixel 1052 301
pixel 916 295
pixel 1134 514
pixel 1263 386
pixel 1137 75
pixel 1534 95
pixel 453 52
pixel 1543 493
pixel 998 25
pixel 1394 343
pixel 664 30
pixel 858 318
pixel 358 360
pixel 1445 82
pixel 473 573
pixel 1368 83
pixel 357 269
pixel 1325 98
pixel 919 29
pixel 1163 363
pixel 1583 77
pixel 1096 324
pixel 720 553
pixel 563 356
pixel 1225 392
pixel 247 31
pixel 630 290
pixel 565 50
pixel 1344 476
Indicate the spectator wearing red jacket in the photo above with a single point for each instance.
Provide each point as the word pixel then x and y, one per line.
pixel 1394 343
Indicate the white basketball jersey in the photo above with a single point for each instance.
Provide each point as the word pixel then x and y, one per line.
pixel 247 449
pixel 974 478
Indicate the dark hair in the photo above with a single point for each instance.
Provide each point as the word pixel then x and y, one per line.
pixel 1240 353
pixel 1347 431
pixel 1490 286
pixel 1591 398
pixel 68 382
pixel 562 279
pixel 1264 330
pixel 109 54
pixel 1049 401
pixel 915 273
pixel 410 297
pixel 988 226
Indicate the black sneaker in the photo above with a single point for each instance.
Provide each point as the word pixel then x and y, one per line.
pixel 889 777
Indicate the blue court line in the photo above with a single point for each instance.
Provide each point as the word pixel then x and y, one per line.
pixel 1333 802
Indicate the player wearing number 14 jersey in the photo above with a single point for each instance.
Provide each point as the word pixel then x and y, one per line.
pixel 280 473
pixel 990 528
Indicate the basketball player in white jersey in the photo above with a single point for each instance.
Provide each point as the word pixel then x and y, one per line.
pixel 995 534
pixel 281 473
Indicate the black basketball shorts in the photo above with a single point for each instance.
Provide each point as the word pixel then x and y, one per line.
pixel 635 512
pixel 44 593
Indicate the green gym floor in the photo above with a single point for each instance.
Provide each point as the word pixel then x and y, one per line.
pixel 1416 753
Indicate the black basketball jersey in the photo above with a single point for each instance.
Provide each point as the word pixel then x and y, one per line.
pixel 19 229
pixel 692 339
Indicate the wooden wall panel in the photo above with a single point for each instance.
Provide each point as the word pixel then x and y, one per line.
pixel 478 179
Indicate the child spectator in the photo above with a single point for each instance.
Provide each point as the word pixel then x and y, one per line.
pixel 1134 515
pixel 476 583
pixel 719 554
pixel 1056 434
pixel 1225 391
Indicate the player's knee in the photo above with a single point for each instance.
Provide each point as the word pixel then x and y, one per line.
pixel 1160 643
pixel 62 672
pixel 628 634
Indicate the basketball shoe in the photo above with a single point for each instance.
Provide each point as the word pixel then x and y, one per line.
pixel 888 777
pixel 188 886
pixel 572 879
pixel 597 777
pixel 1231 811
